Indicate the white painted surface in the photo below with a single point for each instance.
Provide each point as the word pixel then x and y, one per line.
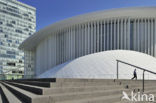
pixel 103 65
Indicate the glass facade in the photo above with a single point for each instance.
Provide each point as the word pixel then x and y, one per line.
pixel 17 22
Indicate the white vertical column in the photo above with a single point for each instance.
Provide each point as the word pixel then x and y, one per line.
pixel 128 38
pixel 138 36
pixel 148 46
pixel 64 50
pixel 74 50
pixel 59 43
pixel 94 37
pixel 154 37
pixel 82 37
pixel 143 31
pixel 55 49
pixel 78 39
pixel 80 47
pixel 52 49
pixel 62 43
pixel 52 42
pixel 86 39
pixel 91 34
pixel 63 39
pixel 70 43
pixel 108 45
pixel 98 35
pixel 145 35
pixel 66 34
pixel 121 34
pixel 74 41
pixel 118 33
pixel 101 38
pixel 60 47
pixel 104 36
pixel 115 35
pixel 49 52
pixel 89 37
pixel 134 36
pixel 125 34
pixel 111 35
pixel 142 35
pixel 152 44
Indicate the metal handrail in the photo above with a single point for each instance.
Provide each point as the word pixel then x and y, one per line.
pixel 144 70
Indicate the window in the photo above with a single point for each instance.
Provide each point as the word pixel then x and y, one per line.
pixel 1 22
pixel 13 22
pixel 29 66
pixel 6 36
pixel 10 52
pixel 20 72
pixel 20 61
pixel 1 30
pixel 10 41
pixel 9 25
pixel 18 31
pixel 11 64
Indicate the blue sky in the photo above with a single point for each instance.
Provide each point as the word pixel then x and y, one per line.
pixel 51 11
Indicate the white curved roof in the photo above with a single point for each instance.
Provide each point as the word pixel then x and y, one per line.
pixel 103 65
pixel 106 14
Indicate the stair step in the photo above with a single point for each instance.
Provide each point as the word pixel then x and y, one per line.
pixel 9 96
pixel 100 99
pixel 83 95
pixel 73 90
pixel 3 98
pixel 34 83
pixel 37 79
pixel 47 91
pixel 1 101
pixel 79 89
pixel 25 96
pixel 30 88
pixel 78 84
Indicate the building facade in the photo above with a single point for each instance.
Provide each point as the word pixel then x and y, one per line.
pixel 17 22
pixel 117 29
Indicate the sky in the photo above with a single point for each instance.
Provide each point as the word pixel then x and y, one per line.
pixel 51 11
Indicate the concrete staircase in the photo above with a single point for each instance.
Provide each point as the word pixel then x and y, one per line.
pixel 71 90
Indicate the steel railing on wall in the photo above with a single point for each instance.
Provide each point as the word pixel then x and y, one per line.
pixel 137 67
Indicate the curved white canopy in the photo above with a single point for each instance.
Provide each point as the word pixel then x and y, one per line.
pixel 136 12
pixel 103 65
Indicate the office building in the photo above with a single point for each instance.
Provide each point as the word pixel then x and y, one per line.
pixel 17 22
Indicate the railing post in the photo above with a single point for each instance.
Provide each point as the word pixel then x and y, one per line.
pixel 143 84
pixel 117 71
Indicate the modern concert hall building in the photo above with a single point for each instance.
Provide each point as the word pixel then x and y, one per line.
pixel 117 29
